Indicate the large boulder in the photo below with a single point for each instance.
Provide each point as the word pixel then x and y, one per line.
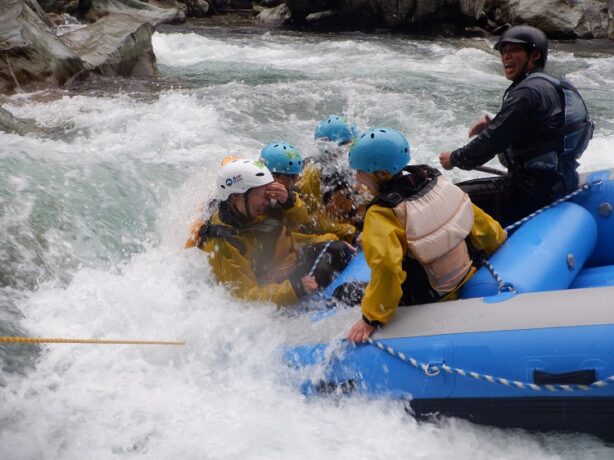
pixel 611 19
pixel 31 56
pixel 401 14
pixel 151 13
pixel 557 18
pixel 227 5
pixel 117 44
pixel 302 8
pixel 196 8
pixel 412 14
pixel 276 16
pixel 63 6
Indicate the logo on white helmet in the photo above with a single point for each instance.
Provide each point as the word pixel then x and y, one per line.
pixel 233 180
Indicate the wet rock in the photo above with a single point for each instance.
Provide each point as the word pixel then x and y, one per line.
pixel 269 3
pixel 12 124
pixel 275 16
pixel 61 6
pixel 405 14
pixel 117 44
pixel 57 6
pixel 322 18
pixel 31 56
pixel 196 8
pixel 302 8
pixel 151 13
pixel 226 5
pixel 169 4
pixel 415 15
pixel 476 31
pixel 557 18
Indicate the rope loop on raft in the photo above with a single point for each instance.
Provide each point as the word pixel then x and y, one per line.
pixel 582 188
pixel 503 285
pixel 433 370
pixel 317 261
pixel 509 287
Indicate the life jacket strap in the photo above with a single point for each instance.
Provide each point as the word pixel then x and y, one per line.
pixel 225 232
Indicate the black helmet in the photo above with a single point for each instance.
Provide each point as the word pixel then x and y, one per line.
pixel 534 39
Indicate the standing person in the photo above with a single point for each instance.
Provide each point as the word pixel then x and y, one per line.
pixel 540 132
pixel 326 185
pixel 250 246
pixel 422 237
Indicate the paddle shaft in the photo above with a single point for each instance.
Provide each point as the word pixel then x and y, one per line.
pixel 489 170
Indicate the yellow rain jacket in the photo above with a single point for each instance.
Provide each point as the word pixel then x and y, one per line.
pixel 385 246
pixel 257 261
pixel 319 222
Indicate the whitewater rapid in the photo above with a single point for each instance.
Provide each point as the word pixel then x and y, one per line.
pixel 94 218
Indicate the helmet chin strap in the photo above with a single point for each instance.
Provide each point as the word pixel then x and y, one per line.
pixel 246 204
pixel 235 208
pixel 525 69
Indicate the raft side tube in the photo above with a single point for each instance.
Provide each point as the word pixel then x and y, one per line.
pixel 516 356
pixel 594 277
pixel 599 202
pixel 544 254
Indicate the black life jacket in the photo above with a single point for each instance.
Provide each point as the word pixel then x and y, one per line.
pixel 556 155
pixel 417 183
pixel 267 233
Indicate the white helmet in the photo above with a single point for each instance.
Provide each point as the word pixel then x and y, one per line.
pixel 240 175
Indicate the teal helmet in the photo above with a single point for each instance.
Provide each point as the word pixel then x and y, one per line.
pixel 282 158
pixel 336 129
pixel 380 149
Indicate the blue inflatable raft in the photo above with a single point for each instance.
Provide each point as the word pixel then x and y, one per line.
pixel 540 358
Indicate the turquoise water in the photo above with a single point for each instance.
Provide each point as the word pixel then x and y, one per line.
pixel 94 217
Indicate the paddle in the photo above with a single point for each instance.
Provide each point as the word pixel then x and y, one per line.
pixel 489 170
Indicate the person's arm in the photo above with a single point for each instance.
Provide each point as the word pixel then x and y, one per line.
pixel 308 238
pixel 318 222
pixel 230 267
pixel 486 234
pixel 294 209
pixel 321 223
pixel 480 125
pixel 382 236
pixel 192 240
pixel 509 124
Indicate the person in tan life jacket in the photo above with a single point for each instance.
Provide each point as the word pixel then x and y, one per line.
pixel 249 244
pixel 327 185
pixel 422 236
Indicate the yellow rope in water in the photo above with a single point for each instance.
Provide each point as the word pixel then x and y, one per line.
pixel 95 341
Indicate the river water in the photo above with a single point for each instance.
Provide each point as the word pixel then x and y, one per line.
pixel 94 216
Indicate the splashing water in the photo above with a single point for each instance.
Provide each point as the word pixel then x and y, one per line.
pixel 94 219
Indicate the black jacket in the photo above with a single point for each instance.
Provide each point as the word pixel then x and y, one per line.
pixel 531 121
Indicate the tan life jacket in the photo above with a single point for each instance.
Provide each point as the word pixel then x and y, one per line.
pixel 436 224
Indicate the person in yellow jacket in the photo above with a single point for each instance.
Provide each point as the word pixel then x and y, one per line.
pixel 250 245
pixel 286 165
pixel 326 184
pixel 422 236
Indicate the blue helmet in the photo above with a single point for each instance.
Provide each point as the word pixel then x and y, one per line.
pixel 336 129
pixel 282 158
pixel 380 149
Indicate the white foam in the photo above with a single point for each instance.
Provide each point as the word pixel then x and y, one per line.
pixel 150 164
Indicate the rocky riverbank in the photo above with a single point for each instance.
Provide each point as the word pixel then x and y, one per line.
pixel 61 43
